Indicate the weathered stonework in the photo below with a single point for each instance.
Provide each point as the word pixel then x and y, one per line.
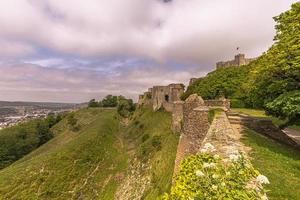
pixel 195 127
pixel 221 103
pixel 239 60
pixel 145 99
pixel 195 121
pixel 177 116
pixel 162 96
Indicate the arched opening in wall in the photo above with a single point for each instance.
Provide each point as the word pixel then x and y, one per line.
pixel 167 98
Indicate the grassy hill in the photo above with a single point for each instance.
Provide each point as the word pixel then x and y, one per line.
pixel 97 161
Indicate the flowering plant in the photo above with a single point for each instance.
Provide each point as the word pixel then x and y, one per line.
pixel 208 176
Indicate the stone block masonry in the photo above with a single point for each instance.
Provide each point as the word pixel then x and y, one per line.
pixel 239 60
pixel 177 116
pixel 195 127
pixel 162 96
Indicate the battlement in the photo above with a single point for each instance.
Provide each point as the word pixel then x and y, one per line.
pixel 239 60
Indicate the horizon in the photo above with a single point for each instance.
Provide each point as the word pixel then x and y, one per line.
pixel 74 51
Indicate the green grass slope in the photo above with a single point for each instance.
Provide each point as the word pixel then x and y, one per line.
pixel 96 162
pixel 82 168
pixel 280 163
pixel 155 147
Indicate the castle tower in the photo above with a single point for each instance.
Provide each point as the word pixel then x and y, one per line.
pixel 240 59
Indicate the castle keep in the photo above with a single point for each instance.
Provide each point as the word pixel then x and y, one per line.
pixel 239 60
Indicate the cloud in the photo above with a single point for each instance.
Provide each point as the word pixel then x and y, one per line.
pixel 13 48
pixel 32 82
pixel 74 50
pixel 186 31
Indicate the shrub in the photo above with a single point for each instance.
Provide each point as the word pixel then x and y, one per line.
pixel 237 103
pixel 207 176
pixel 125 106
pixel 286 105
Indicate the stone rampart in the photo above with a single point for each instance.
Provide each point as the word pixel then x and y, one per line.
pixel 177 116
pixel 194 126
pixel 239 60
pixel 223 104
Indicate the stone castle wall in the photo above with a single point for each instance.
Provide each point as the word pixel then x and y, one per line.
pixel 177 116
pixel 239 60
pixel 168 106
pixel 164 96
pixel 222 103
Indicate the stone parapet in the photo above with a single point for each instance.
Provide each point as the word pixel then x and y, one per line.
pixel 177 116
pixel 223 104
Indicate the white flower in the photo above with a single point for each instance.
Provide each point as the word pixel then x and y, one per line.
pixel 214 187
pixel 207 148
pixel 264 197
pixel 215 176
pixel 262 179
pixel 206 165
pixel 209 165
pixel 203 150
pixel 234 157
pixel 199 173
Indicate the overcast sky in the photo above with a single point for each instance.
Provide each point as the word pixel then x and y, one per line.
pixel 75 50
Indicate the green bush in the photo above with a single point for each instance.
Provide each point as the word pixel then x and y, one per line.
pixel 19 140
pixel 125 106
pixel 286 105
pixel 207 176
pixel 237 103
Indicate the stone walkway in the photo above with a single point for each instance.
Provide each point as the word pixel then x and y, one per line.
pixel 224 137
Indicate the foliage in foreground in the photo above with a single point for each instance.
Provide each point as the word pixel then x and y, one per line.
pixel 19 140
pixel 207 176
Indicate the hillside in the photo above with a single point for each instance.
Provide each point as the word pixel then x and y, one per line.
pixel 97 162
pixel 221 82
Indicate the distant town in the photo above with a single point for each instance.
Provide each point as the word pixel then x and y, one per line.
pixel 12 113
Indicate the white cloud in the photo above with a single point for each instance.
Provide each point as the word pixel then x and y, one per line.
pixel 29 82
pixel 189 31
pixel 14 48
pixel 78 32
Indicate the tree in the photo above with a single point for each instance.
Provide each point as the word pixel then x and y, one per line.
pixel 277 72
pixel 43 132
pixel 93 103
pixel 286 105
pixel 110 101
pixel 125 106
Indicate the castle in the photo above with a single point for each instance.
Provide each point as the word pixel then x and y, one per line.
pixel 162 96
pixel 239 60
